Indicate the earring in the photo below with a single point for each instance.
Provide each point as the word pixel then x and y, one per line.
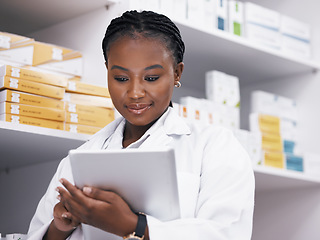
pixel 178 84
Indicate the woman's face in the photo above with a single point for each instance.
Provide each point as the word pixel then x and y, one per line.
pixel 141 78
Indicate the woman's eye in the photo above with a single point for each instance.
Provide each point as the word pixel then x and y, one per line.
pixel 121 79
pixel 151 78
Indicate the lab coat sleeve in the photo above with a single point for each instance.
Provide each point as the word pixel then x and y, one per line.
pixel 224 208
pixel 44 213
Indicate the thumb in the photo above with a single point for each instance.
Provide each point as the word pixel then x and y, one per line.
pixel 98 194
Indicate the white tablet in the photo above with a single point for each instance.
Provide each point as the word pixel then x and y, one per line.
pixel 145 179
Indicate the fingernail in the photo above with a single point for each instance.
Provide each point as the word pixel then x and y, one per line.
pixel 57 189
pixel 64 215
pixel 87 190
pixel 59 197
pixel 61 180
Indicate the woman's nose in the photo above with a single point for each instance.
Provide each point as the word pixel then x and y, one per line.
pixel 136 89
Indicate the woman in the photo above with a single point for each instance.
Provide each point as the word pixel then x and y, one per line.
pixel 144 57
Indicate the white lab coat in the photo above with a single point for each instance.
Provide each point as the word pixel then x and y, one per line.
pixel 215 180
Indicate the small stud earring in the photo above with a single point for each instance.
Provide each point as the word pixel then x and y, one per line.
pixel 178 84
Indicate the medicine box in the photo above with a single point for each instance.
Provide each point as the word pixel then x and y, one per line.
pixel 83 129
pixel 312 164
pixel 271 142
pixel 274 159
pixel 46 56
pixel 222 88
pixel 264 123
pixel 85 88
pixel 30 99
pixel 294 28
pixel 88 100
pixel 221 13
pixel 31 87
pixel 32 121
pixel 32 111
pixel 85 109
pixel 294 162
pixel 236 18
pixel 10 40
pixel 89 119
pixel 196 13
pixel 31 75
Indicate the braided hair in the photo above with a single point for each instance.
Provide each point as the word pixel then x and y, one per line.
pixel 147 24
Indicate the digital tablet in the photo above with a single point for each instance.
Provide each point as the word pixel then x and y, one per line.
pixel 145 179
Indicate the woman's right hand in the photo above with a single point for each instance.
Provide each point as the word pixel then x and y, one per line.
pixel 63 220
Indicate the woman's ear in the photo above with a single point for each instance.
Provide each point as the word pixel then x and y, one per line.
pixel 178 72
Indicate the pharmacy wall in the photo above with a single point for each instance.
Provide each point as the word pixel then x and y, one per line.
pixel 291 212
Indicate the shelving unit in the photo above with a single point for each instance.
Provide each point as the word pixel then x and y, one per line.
pixel 250 61
pixel 23 145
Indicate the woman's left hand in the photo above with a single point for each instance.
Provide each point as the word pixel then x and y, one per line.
pixel 102 209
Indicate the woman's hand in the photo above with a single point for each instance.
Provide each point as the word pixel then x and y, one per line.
pixel 63 220
pixel 102 209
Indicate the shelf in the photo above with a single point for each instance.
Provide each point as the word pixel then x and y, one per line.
pixel 272 179
pixel 22 145
pixel 250 61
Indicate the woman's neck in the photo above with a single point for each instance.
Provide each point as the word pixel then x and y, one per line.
pixel 133 133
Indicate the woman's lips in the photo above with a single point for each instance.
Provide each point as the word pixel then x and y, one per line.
pixel 138 108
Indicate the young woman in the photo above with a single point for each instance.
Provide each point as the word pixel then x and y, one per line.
pixel 144 57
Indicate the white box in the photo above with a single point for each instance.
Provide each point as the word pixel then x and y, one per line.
pixel 236 18
pixel 265 103
pixel 222 88
pixel 256 14
pixel 289 130
pixel 287 108
pixel 312 164
pixel 195 14
pixel 210 19
pixel 262 35
pixel 295 47
pixel 179 10
pixel 295 28
pixel 167 8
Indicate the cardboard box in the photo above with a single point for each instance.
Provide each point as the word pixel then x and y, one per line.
pixel 32 111
pixel 264 123
pixel 222 88
pixel 272 142
pixel 236 18
pixel 46 56
pixel 89 119
pixel 30 99
pixel 88 100
pixel 9 40
pixel 35 76
pixel 31 87
pixel 84 129
pixel 32 121
pixel 85 88
pixel 274 159
pixel 85 109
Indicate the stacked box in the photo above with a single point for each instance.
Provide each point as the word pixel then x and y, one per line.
pixel 295 37
pixel 27 52
pixel 88 107
pixel 262 25
pixel 278 129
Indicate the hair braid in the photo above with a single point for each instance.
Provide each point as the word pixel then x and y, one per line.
pixel 147 24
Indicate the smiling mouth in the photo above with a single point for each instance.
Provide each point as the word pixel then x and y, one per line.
pixel 138 108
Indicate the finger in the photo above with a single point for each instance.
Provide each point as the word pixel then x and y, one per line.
pixel 73 190
pixel 102 195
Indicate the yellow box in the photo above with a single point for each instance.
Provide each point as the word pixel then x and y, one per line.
pixel 84 129
pixel 269 124
pixel 84 109
pixel 272 142
pixel 9 40
pixel 85 88
pixel 35 76
pixel 30 99
pixel 32 121
pixel 274 159
pixel 46 56
pixel 31 87
pixel 88 100
pixel 32 111
pixel 89 119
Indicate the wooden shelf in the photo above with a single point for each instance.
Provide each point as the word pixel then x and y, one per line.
pixel 251 62
pixel 273 179
pixel 22 145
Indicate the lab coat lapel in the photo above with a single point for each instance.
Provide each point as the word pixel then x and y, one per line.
pixel 164 134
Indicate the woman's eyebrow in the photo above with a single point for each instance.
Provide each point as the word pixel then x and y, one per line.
pixel 153 67
pixel 118 67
